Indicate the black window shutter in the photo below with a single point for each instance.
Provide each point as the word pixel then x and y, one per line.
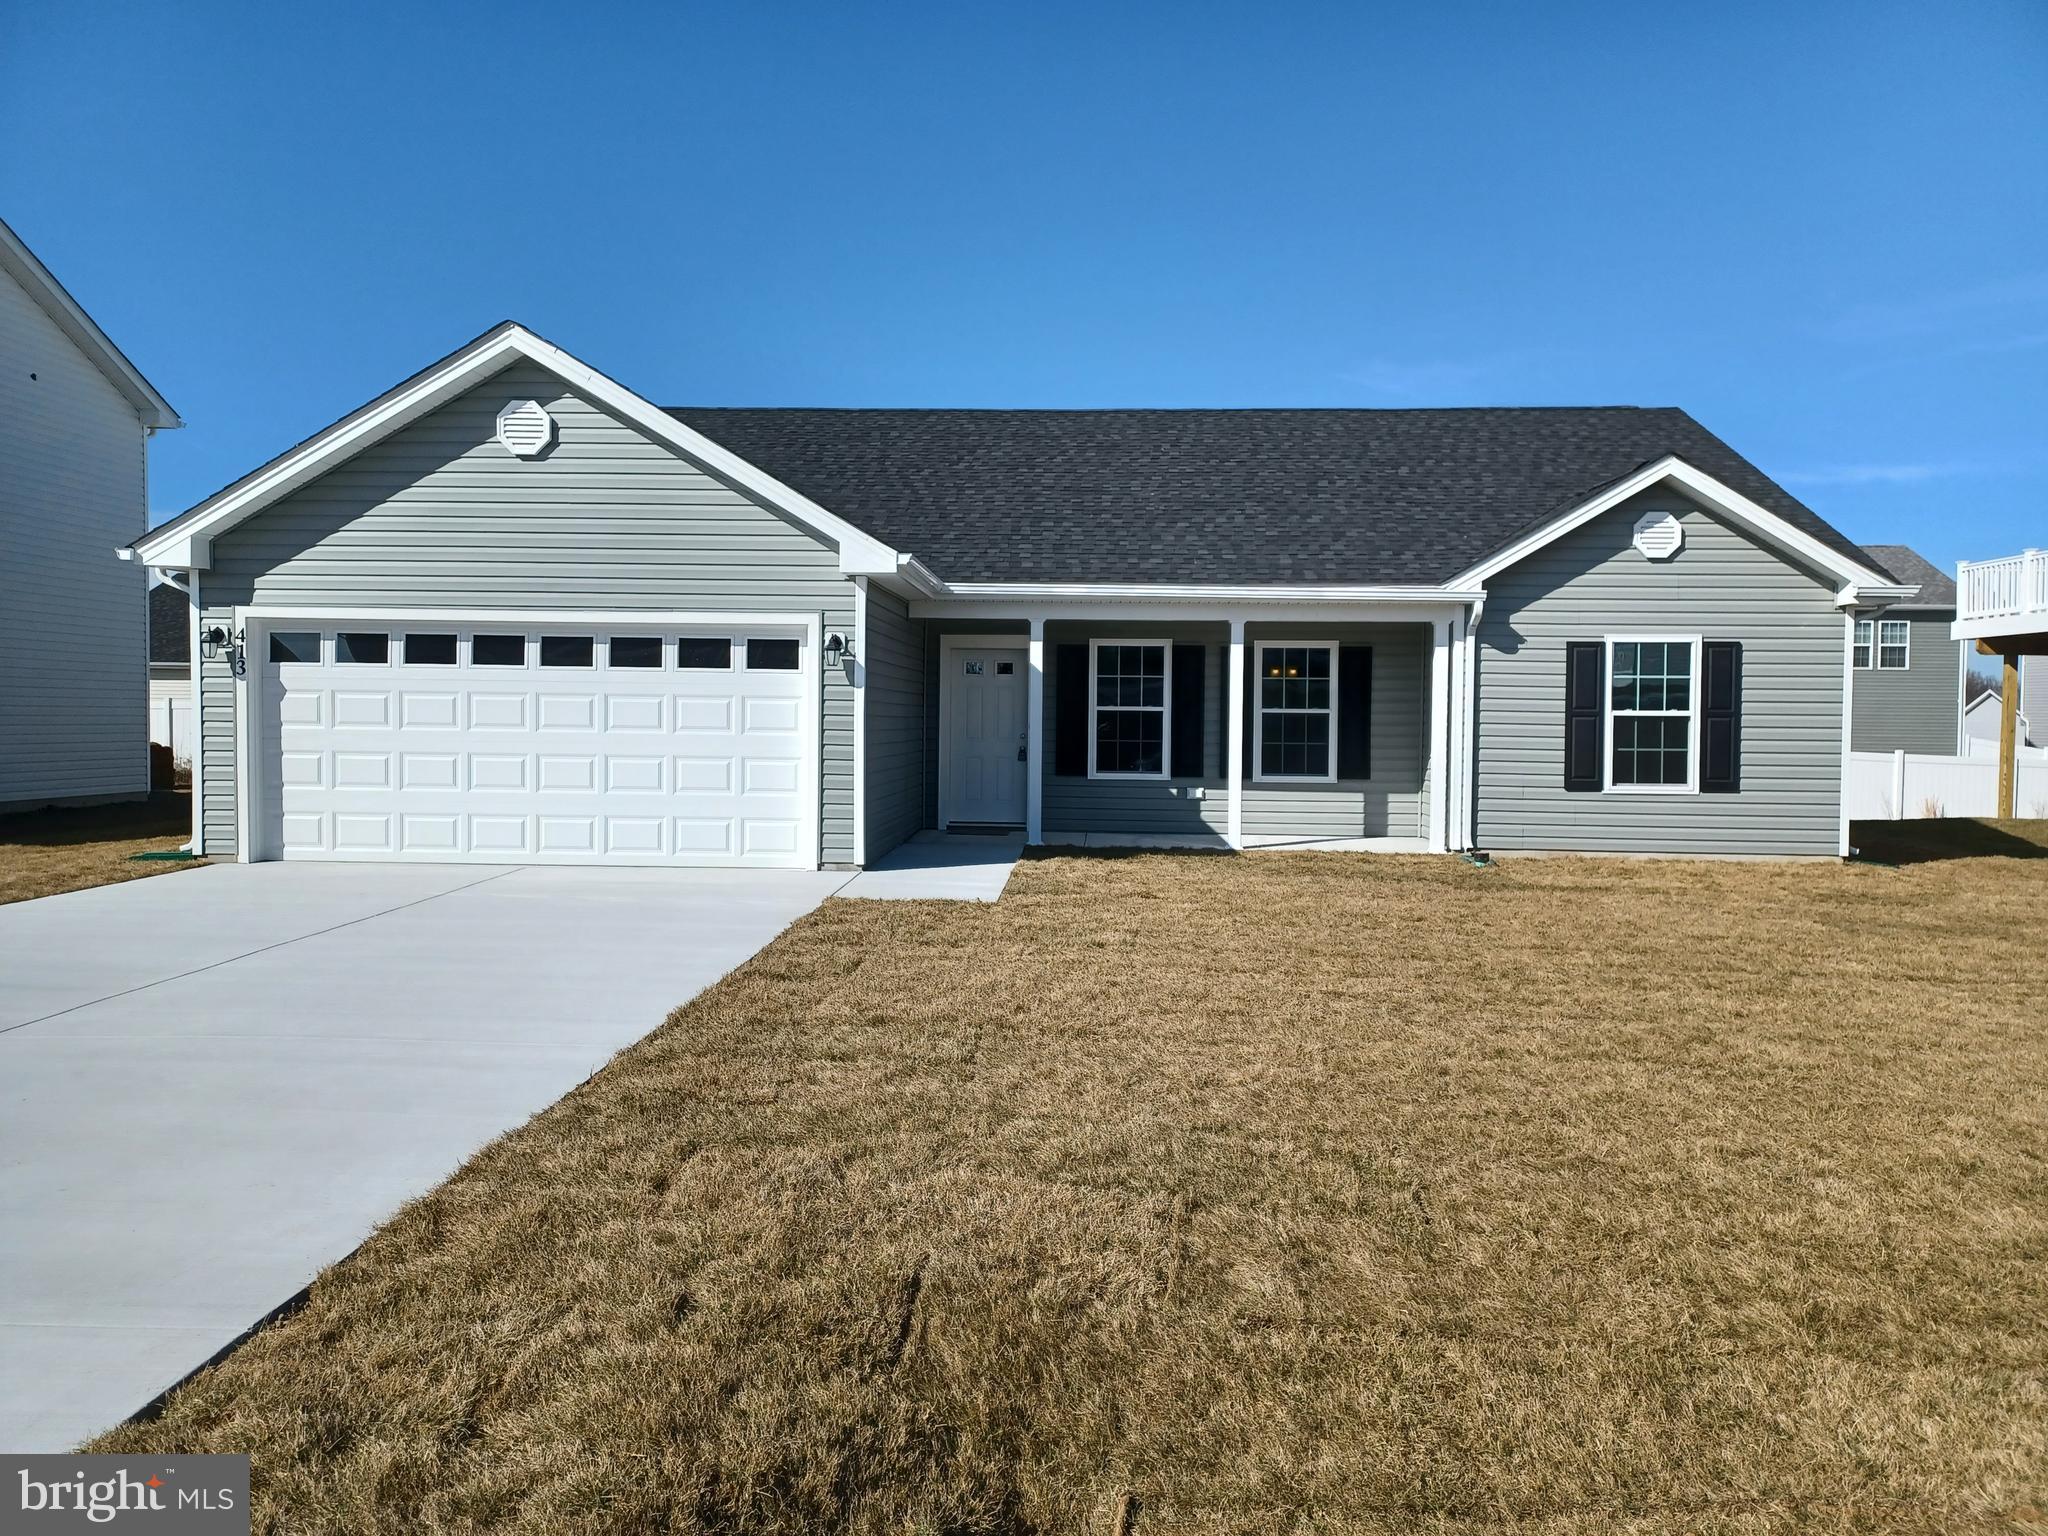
pixel 1187 761
pixel 1585 663
pixel 1070 711
pixel 1354 711
pixel 1721 718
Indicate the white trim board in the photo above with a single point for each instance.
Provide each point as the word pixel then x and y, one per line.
pixel 949 645
pixel 1859 583
pixel 187 540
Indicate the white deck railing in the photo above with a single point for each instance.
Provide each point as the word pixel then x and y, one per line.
pixel 2015 587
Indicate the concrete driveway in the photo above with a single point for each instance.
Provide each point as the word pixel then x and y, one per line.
pixel 215 1083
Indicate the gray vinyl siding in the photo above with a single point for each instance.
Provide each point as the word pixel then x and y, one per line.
pixel 439 515
pixel 74 689
pixel 1722 585
pixel 2033 699
pixel 1388 804
pixel 894 665
pixel 1916 708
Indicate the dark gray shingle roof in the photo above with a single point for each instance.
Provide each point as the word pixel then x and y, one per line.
pixel 1937 590
pixel 170 625
pixel 1253 496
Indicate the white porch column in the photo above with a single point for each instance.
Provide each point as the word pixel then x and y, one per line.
pixel 1234 765
pixel 1439 734
pixel 1034 739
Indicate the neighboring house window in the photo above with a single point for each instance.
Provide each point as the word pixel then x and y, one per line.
pixel 1865 631
pixel 1128 713
pixel 1893 648
pixel 1652 713
pixel 1297 715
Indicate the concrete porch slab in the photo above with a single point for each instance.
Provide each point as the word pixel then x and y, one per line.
pixel 940 866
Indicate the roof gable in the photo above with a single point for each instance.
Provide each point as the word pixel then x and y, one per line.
pixel 185 542
pixel 65 312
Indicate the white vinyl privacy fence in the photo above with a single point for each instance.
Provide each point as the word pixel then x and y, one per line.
pixel 1901 786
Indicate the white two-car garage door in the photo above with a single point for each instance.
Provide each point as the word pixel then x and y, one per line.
pixel 551 743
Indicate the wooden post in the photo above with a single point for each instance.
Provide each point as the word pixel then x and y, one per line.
pixel 2008 735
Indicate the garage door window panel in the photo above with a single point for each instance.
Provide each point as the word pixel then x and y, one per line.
pixel 429 650
pixel 568 651
pixel 497 650
pixel 362 648
pixel 295 645
pixel 697 654
pixel 771 655
pixel 635 651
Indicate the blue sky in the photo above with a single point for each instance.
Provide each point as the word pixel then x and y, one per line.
pixel 1822 229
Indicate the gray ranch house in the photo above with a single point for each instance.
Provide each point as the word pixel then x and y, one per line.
pixel 512 612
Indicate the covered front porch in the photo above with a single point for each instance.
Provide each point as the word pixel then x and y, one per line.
pixel 1127 724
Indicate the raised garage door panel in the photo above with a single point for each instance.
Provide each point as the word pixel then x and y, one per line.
pixel 528 763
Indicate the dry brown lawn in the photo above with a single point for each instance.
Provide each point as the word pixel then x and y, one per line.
pixel 1266 1194
pixel 45 852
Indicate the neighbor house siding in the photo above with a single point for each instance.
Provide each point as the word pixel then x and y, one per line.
pixel 1722 585
pixel 440 515
pixel 74 693
pixel 893 667
pixel 1388 804
pixel 1917 708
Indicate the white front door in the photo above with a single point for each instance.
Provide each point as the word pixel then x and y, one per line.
pixel 524 743
pixel 984 707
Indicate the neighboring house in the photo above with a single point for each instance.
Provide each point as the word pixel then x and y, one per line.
pixel 510 611
pixel 170 669
pixel 1981 722
pixel 75 420
pixel 1909 674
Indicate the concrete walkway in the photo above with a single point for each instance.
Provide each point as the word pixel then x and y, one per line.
pixel 941 866
pixel 215 1083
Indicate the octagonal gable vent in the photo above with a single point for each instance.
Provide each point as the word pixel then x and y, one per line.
pixel 525 428
pixel 1659 535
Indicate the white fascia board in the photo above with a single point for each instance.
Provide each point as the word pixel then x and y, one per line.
pixel 1269 609
pixel 1874 595
pixel 186 541
pixel 69 316
pixel 1164 592
pixel 1715 496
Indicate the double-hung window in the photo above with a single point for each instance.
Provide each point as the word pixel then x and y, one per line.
pixel 1866 636
pixel 1128 727
pixel 1297 711
pixel 1893 644
pixel 1653 713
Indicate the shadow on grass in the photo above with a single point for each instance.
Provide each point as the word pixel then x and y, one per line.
pixel 1122 851
pixel 1952 837
pixel 161 815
